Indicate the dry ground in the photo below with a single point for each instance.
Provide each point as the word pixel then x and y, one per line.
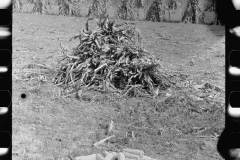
pixel 184 126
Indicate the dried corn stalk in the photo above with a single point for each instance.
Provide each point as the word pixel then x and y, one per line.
pixel 111 58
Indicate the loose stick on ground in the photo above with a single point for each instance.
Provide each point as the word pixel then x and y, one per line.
pixel 110 127
pixel 103 140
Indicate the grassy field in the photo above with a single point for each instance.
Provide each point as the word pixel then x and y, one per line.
pixel 182 124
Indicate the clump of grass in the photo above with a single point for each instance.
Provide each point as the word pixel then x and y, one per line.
pixel 145 121
pixel 111 58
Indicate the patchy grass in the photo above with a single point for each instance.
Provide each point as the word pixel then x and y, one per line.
pixel 181 123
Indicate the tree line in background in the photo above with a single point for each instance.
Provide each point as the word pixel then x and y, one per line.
pixel 153 10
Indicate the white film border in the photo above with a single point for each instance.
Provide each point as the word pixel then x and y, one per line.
pixel 4 4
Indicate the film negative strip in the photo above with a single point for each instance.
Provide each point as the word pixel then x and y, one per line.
pixel 232 128
pixel 5 79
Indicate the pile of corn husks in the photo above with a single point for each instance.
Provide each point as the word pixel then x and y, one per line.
pixel 111 58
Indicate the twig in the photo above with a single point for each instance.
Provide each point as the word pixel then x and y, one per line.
pixel 102 141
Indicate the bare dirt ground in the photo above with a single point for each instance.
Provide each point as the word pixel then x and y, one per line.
pixel 184 126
